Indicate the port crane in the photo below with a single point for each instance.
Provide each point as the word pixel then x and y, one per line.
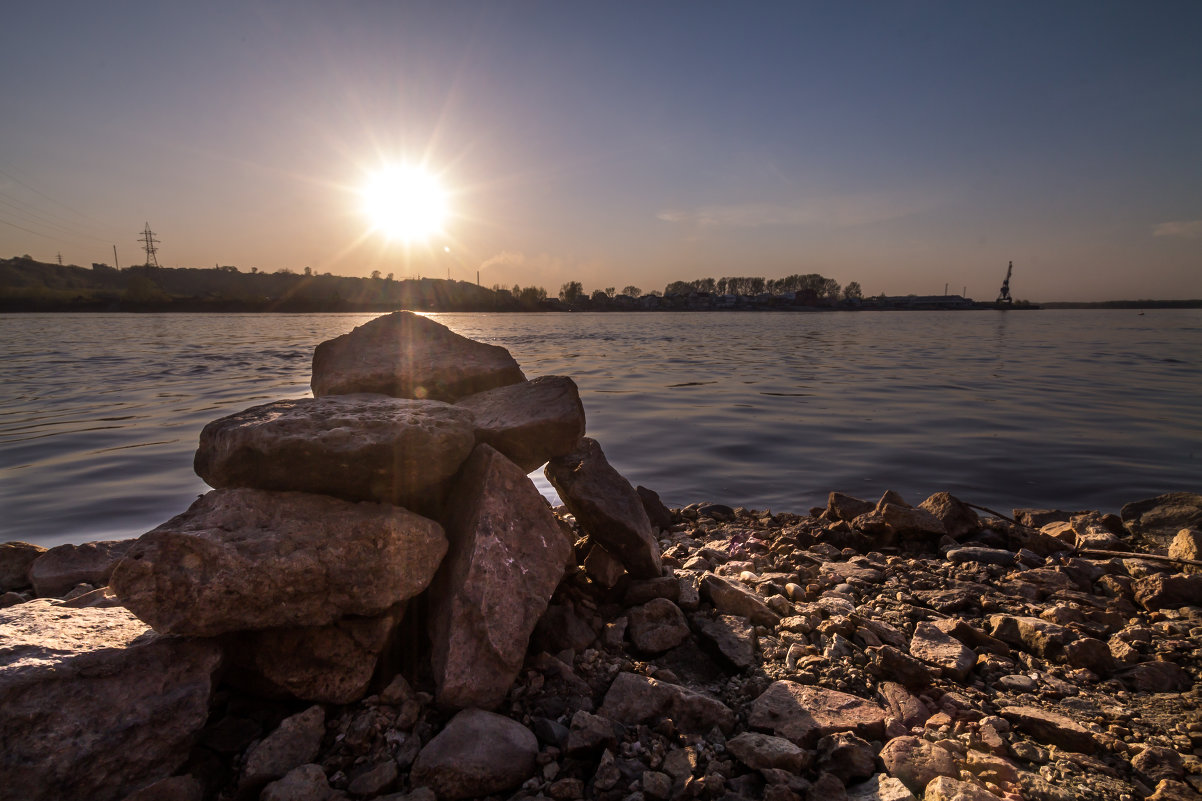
pixel 1004 295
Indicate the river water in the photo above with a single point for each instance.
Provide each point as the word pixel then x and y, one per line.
pixel 1080 409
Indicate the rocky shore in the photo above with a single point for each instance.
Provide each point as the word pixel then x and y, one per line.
pixel 375 602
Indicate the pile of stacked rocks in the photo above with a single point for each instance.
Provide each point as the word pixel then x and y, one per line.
pixel 376 603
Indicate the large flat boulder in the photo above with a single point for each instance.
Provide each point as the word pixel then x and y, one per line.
pixel 633 698
pixel 93 704
pixel 331 664
pixel 506 557
pixel 531 421
pixel 243 559
pixel 407 355
pixel 1157 520
pixel 355 447
pixel 606 507
pixel 802 714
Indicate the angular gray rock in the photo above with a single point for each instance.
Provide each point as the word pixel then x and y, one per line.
pixel 93 704
pixel 407 355
pixel 606 507
pixel 354 447
pixel 633 698
pixel 478 753
pixel 657 626
pixel 531 421
pixel 507 555
pixel 59 569
pixel 331 664
pixel 802 714
pixel 251 559
pixel 15 561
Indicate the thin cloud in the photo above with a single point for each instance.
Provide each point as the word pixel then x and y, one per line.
pixel 840 212
pixel 1184 229
pixel 510 257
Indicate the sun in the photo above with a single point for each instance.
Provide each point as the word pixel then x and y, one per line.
pixel 405 202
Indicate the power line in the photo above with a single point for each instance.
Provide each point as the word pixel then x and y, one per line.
pixel 33 217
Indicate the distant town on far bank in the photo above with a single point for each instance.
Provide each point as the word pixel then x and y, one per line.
pixel 27 285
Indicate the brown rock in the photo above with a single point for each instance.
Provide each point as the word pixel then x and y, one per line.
pixel 294 742
pixel 633 698
pixel 251 559
pixel 657 513
pixel 1030 634
pixel 847 756
pixel 478 753
pixel 945 788
pixel 507 556
pixel 59 569
pixel 894 664
pixel 1155 764
pixel 173 788
pixel 845 507
pixel 763 751
pixel 657 626
pixel 304 783
pixel 354 447
pixel 732 636
pixel 803 714
pixel 890 520
pixel 1091 654
pixel 328 664
pixel 15 561
pixel 1157 520
pixel 735 599
pixel 937 648
pixel 957 517
pixel 902 705
pixel 93 704
pixel 602 567
pixel 1186 545
pixel 409 356
pixel 916 762
pixel 1160 591
pixel 531 421
pixel 606 507
pixel 1051 728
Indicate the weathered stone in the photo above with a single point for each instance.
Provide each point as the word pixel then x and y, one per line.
pixel 803 714
pixel 735 599
pixel 476 754
pixel 657 513
pixel 1030 634
pixel 407 355
pixel 847 756
pixel 1091 654
pixel 93 704
pixel 1156 677
pixel 880 788
pixel 657 626
pixel 903 705
pixel 916 762
pixel 1051 728
pixel 957 517
pixel 1186 545
pixel 59 569
pixel 732 636
pixel 760 751
pixel 590 733
pixel 15 561
pixel 985 556
pixel 1170 790
pixel 1157 520
pixel 640 592
pixel 507 556
pixel 251 559
pixel 303 783
pixel 945 788
pixel 894 664
pixel 531 421
pixel 633 698
pixel 845 507
pixel 354 447
pixel 329 664
pixel 1160 591
pixel 942 650
pixel 375 780
pixel 606 507
pixel 294 742
pixel 602 567
pixel 173 788
pixel 890 520
pixel 1154 764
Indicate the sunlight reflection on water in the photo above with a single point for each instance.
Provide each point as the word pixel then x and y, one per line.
pixel 1076 409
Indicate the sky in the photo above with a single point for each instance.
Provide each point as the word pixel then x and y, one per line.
pixel 914 147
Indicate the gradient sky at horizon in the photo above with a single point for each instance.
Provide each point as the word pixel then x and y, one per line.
pixel 904 145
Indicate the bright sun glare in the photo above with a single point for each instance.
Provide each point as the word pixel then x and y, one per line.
pixel 406 203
